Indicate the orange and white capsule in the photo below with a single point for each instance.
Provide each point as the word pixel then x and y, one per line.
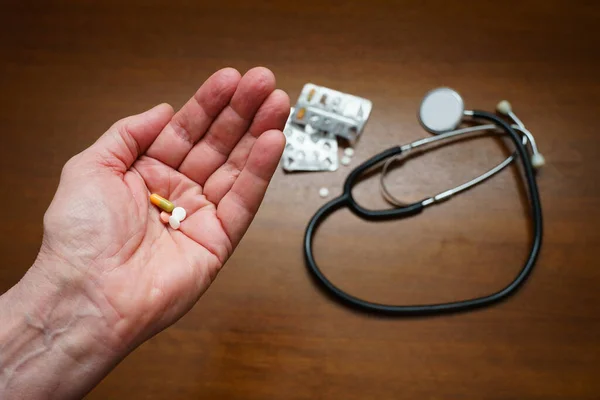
pixel 161 203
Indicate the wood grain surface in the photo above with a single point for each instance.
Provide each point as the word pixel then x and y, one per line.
pixel 69 69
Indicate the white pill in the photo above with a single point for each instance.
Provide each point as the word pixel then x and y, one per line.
pixel 323 192
pixel 345 160
pixel 309 130
pixel 179 213
pixel 174 222
pixel 349 151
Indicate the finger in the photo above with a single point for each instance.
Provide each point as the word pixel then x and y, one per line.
pixel 195 117
pixel 271 115
pixel 214 148
pixel 129 138
pixel 238 207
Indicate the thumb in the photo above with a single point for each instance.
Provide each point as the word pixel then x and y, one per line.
pixel 129 138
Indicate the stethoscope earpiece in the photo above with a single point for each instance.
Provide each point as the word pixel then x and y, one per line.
pixel 537 159
pixel 504 107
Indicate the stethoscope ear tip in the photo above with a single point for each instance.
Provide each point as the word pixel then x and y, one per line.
pixel 538 160
pixel 504 107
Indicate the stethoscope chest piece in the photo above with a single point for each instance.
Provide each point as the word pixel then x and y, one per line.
pixel 441 110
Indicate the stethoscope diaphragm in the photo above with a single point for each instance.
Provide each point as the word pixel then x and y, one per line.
pixel 441 110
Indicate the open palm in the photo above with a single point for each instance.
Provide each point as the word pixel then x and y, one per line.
pixel 214 157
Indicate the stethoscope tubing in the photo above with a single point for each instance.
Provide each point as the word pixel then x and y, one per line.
pixel 346 200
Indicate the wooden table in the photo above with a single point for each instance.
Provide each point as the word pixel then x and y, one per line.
pixel 264 330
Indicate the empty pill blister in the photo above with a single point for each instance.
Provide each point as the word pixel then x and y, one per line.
pixel 328 110
pixel 309 152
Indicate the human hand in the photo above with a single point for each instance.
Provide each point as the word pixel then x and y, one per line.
pixel 215 158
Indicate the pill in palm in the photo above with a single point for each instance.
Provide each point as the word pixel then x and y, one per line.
pixel 164 217
pixel 174 222
pixel 179 213
pixel 161 202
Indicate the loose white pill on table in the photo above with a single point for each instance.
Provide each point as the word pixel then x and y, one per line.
pixel 174 222
pixel 179 213
pixel 349 151
pixel 323 192
pixel 345 160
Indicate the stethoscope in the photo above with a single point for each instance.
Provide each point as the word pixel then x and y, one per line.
pixel 441 112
